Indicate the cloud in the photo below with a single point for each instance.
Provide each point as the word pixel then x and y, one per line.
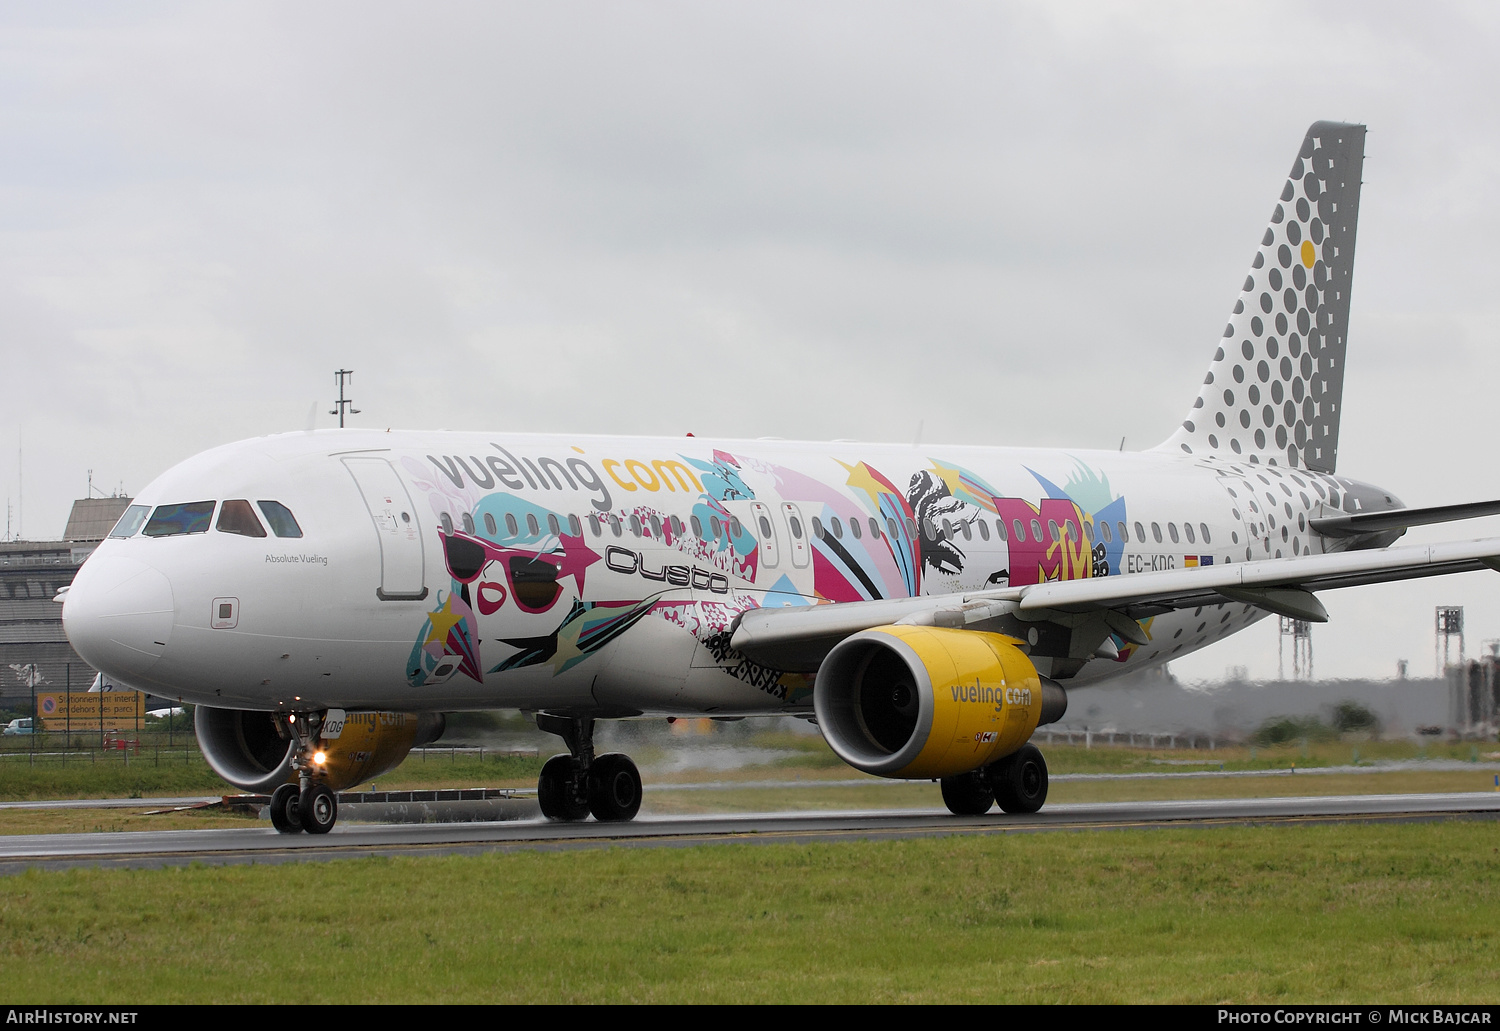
pixel 1020 224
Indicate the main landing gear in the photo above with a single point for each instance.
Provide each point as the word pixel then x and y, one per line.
pixel 574 785
pixel 309 805
pixel 1018 782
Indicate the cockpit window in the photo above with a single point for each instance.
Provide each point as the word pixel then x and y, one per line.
pixel 283 523
pixel 171 520
pixel 238 517
pixel 131 521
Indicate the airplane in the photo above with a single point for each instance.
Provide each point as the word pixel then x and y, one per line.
pixel 324 597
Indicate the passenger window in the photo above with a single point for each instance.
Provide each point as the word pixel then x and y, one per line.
pixel 1187 528
pixel 677 526
pixel 238 517
pixel 1052 529
pixel 510 525
pixel 854 529
pixel 796 525
pixel 947 530
pixel 447 522
pixel 1108 537
pixel 553 525
pixel 817 527
pixel 171 520
pixel 468 524
pixel 489 525
pixel 1172 532
pixel 838 527
pixel 734 526
pixel 1020 529
pixel 655 526
pixel 594 527
pixel 892 528
pixel 532 526
pixel 1124 536
pixel 1156 531
pixel 911 527
pixel 1036 531
pixel 575 526
pixel 131 521
pixel 283 523
pixel 614 525
pixel 635 525
pixel 1140 532
pixel 874 528
pixel 713 524
pixel 1203 527
pixel 1000 529
pixel 984 530
pixel 697 526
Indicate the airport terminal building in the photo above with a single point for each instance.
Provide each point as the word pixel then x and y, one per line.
pixel 34 651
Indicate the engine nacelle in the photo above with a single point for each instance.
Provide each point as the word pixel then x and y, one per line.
pixel 254 750
pixel 915 701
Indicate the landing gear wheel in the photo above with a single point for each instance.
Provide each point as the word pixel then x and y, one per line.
pixel 968 794
pixel 614 788
pixel 555 794
pixel 284 809
pixel 1020 780
pixel 318 809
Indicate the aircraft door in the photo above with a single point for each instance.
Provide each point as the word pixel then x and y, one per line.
pixel 765 532
pixel 395 520
pixel 797 528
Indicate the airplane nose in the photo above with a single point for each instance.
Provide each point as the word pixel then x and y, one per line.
pixel 118 614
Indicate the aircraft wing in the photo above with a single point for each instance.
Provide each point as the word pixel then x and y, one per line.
pixel 796 638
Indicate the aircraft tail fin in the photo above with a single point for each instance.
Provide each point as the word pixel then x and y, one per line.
pixel 1275 389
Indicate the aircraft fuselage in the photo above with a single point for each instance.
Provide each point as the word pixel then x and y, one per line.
pixel 446 571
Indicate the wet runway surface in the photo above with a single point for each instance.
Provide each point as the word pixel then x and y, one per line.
pixel 524 830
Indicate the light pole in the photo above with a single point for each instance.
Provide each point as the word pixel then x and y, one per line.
pixel 343 403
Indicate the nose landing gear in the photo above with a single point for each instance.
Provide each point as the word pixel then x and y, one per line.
pixel 574 785
pixel 309 805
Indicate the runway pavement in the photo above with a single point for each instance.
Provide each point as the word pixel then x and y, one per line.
pixel 524 830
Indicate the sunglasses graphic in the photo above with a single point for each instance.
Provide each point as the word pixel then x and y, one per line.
pixel 531 578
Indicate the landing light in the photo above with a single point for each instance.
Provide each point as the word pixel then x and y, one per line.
pixel 320 758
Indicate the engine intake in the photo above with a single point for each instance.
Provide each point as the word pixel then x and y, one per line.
pixel 910 701
pixel 254 750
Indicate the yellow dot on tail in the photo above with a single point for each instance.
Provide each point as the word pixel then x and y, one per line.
pixel 1309 254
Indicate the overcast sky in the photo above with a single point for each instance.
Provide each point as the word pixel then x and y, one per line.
pixel 1009 223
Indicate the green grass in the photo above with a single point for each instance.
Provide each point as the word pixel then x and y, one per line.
pixel 176 773
pixel 185 773
pixel 97 821
pixel 1400 913
pixel 110 776
pixel 1105 758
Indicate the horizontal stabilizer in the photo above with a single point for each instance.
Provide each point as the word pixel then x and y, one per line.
pixel 1361 523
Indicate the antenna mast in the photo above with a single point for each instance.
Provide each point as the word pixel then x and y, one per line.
pixel 343 403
